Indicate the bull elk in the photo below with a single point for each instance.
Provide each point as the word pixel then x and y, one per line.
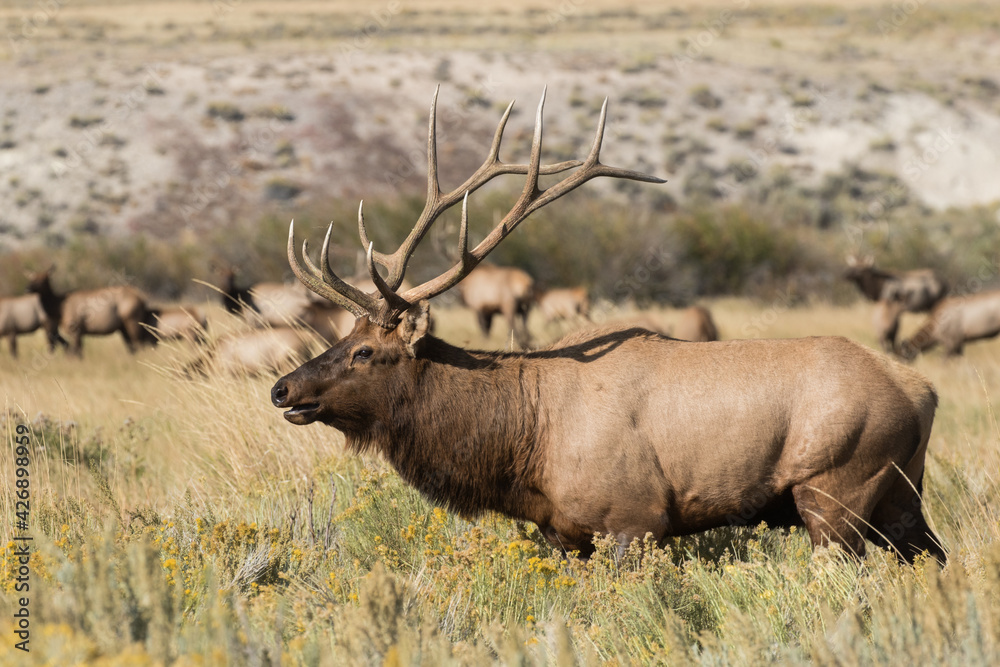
pixel 914 291
pixel 954 322
pixel 696 325
pixel 619 431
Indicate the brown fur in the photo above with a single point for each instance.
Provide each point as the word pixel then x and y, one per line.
pixel 956 321
pixel 255 352
pixel 187 323
pixel 103 311
pixel 566 304
pixel 329 321
pixel 492 289
pixel 22 315
pixel 626 432
pixel 696 325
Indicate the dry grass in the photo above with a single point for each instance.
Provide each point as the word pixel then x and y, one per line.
pixel 186 520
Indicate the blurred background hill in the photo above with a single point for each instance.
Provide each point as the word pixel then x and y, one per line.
pixel 147 142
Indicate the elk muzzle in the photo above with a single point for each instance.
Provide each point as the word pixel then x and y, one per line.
pixel 283 395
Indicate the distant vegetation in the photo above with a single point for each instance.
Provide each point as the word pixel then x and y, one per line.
pixel 774 238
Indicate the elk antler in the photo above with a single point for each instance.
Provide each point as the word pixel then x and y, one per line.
pixel 385 306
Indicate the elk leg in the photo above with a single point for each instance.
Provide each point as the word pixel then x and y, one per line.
pixel 830 515
pixel 568 538
pixel 954 348
pixel 132 332
pixel 485 322
pixel 129 344
pixel 827 522
pixel 517 322
pixel 906 531
pixel 13 345
pixel 55 338
pixel 76 344
pixel 899 523
pixel 886 318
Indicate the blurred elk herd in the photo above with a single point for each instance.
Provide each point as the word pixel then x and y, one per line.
pixel 283 322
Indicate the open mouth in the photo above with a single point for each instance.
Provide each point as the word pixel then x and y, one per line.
pixel 302 414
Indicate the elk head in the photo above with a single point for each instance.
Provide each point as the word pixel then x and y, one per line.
pixel 40 282
pixel 378 359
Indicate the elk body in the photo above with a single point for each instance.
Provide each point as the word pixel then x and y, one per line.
pixel 504 290
pixel 696 325
pixel 616 431
pixel 956 321
pixel 97 312
pixel 265 303
pixel 626 432
pixel 23 315
pixel 254 352
pixel 564 304
pixel 187 323
pixel 914 291
pixel 104 311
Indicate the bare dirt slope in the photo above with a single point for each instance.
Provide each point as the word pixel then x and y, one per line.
pixel 171 116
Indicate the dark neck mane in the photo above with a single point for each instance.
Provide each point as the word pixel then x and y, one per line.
pixel 461 427
pixel 871 282
pixel 51 302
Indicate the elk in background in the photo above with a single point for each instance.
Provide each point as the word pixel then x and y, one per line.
pixel 40 285
pixel 491 290
pixel 696 325
pixel 96 312
pixel 504 290
pixel 255 352
pixel 564 304
pixel 955 321
pixel 277 305
pixel 620 432
pixel 265 303
pixel 187 323
pixel 914 291
pixel 23 315
pixel 236 300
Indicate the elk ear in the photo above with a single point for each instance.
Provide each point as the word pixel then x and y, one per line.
pixel 852 261
pixel 415 325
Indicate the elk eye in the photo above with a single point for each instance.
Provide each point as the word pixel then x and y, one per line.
pixel 363 353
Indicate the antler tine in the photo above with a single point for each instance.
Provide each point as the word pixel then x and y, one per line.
pixel 433 185
pixel 385 307
pixel 463 231
pixel 308 277
pixel 362 232
pixel 592 168
pixel 438 202
pixel 392 300
pixel 530 200
pixel 334 289
pixel 535 161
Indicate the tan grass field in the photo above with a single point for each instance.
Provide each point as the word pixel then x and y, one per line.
pixel 185 518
